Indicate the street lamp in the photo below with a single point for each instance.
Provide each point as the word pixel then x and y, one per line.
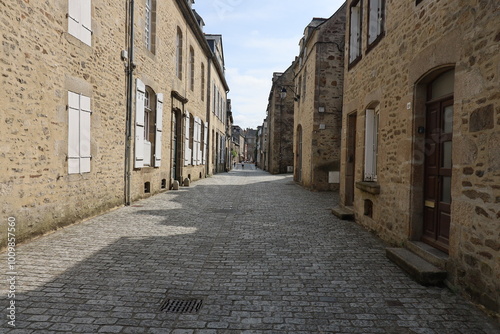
pixel 283 92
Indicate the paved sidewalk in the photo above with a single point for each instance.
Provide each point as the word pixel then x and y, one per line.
pixel 262 254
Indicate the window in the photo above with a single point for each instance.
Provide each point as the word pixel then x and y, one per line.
pixel 191 68
pixel 371 144
pixel 148 126
pixel 202 82
pixel 178 55
pixel 376 20
pixel 78 133
pixel 150 25
pixel 355 31
pixel 187 150
pixel 80 20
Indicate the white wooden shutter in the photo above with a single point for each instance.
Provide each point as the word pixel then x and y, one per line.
pixel 187 150
pixel 354 41
pixel 199 147
pixel 369 142
pixel 196 141
pixel 86 21
pixel 159 133
pixel 73 133
pixel 139 124
pixel 80 20
pixel 79 153
pixel 85 114
pixel 74 18
pixel 205 144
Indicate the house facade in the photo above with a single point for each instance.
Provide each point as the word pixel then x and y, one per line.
pixel 104 105
pixel 280 123
pixel 319 72
pixel 218 107
pixel 420 161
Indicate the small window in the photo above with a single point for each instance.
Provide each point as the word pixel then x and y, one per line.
pixel 191 68
pixel 355 31
pixel 150 25
pixel 202 82
pixel 179 43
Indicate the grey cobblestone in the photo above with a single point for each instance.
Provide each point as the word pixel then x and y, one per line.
pixel 265 255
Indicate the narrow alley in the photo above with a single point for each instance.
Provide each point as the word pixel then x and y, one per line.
pixel 241 252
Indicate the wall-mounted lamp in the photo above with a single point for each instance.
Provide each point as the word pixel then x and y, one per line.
pixel 296 97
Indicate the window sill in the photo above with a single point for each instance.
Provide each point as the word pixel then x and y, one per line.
pixel 369 187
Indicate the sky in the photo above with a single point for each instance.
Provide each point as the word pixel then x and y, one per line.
pixel 259 37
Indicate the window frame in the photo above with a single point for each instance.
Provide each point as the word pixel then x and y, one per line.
pixel 370 44
pixel 191 68
pixel 354 60
pixel 178 54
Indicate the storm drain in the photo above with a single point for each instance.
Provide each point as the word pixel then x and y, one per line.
pixel 171 305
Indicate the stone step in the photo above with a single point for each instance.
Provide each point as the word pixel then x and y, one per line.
pixel 343 213
pixel 422 271
pixel 428 253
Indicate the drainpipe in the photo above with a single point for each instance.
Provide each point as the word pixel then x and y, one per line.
pixel 209 96
pixel 130 86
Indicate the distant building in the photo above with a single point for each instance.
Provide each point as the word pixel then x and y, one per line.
pixel 280 123
pixel 319 78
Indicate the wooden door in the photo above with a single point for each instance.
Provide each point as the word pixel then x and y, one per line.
pixel 350 159
pixel 298 162
pixel 437 181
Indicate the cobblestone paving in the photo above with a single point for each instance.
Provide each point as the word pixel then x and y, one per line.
pixel 263 254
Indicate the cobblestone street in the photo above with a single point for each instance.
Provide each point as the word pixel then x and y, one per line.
pixel 262 254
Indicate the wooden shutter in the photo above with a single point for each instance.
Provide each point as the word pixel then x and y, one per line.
pixel 80 20
pixel 187 150
pixel 79 152
pixel 85 114
pixel 73 133
pixel 369 142
pixel 205 144
pixel 158 126
pixel 139 124
pixel 86 21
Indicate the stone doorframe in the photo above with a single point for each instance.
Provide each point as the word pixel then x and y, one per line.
pixel 418 148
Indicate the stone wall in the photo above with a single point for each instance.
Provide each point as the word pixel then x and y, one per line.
pixel 280 123
pixel 41 62
pixel 318 110
pixel 421 41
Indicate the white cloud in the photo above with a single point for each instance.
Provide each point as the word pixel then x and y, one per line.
pixel 260 37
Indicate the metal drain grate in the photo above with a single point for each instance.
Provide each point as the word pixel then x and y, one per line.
pixel 171 305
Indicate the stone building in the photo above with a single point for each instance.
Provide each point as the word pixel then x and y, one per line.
pixel 104 104
pixel 218 106
pixel 421 118
pixel 280 124
pixel 319 72
pixel 250 145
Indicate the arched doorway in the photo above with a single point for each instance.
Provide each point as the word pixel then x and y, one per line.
pixel 437 164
